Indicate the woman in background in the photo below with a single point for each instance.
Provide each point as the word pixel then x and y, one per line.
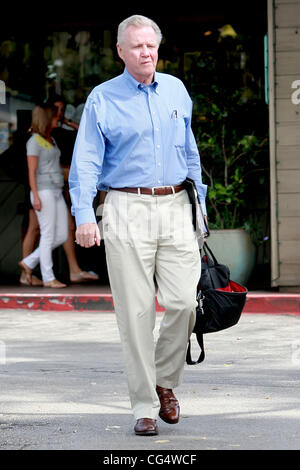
pixel 46 182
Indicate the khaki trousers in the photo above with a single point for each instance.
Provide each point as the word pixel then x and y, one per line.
pixel 149 242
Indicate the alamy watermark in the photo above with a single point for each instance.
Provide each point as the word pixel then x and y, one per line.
pixel 295 97
pixel 296 353
pixel 138 221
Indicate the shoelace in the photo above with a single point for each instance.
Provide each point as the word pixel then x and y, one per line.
pixel 167 399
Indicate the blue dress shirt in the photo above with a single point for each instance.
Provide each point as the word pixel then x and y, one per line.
pixel 133 135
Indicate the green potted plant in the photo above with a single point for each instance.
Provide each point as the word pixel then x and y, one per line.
pixel 230 158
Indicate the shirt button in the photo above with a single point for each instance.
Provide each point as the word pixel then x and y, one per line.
pixel 157 129
pixel 158 146
pixel 158 164
pixel 158 181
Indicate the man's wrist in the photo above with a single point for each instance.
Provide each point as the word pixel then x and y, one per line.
pixel 85 216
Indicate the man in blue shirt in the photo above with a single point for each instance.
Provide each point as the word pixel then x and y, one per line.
pixel 135 142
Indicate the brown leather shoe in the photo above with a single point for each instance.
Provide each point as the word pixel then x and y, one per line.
pixel 169 405
pixel 146 427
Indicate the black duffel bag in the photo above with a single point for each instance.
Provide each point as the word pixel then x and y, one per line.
pixel 220 301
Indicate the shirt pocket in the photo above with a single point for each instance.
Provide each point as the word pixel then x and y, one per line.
pixel 179 130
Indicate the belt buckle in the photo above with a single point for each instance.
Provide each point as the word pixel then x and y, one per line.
pixel 161 187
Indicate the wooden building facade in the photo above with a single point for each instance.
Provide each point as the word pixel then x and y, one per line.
pixel 284 125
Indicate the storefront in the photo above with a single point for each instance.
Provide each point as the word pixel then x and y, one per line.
pixel 284 115
pixel 217 47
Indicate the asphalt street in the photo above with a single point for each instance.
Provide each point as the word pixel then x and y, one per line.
pixel 63 386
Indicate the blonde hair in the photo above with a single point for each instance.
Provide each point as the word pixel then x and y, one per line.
pixel 137 20
pixel 42 116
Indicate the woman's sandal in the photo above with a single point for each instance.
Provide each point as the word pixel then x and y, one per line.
pixel 83 276
pixel 35 281
pixel 54 284
pixel 26 275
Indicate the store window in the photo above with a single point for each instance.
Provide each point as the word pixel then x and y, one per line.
pixel 219 56
pixel 67 63
pixel 72 61
pixel 76 62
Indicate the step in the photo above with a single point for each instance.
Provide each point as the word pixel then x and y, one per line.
pixel 98 298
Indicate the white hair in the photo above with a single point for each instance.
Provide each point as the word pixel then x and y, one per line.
pixel 137 20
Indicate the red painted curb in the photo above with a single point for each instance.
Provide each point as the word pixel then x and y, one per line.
pixel 256 303
pixel 273 303
pixel 60 302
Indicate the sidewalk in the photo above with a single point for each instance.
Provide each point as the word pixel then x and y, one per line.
pixel 98 298
pixel 63 386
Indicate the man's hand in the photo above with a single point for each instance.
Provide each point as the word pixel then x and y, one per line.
pixel 88 235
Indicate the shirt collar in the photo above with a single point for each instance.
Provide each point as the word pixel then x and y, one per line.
pixel 134 84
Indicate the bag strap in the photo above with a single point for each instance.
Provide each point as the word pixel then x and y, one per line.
pixel 208 250
pixel 201 358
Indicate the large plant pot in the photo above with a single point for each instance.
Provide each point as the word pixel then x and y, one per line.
pixel 235 249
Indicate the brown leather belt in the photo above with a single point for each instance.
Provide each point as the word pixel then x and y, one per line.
pixel 156 191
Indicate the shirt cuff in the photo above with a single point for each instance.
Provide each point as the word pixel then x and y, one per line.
pixel 85 216
pixel 203 206
pixel 201 192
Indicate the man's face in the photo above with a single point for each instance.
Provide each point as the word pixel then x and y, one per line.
pixel 139 51
pixel 54 122
pixel 60 109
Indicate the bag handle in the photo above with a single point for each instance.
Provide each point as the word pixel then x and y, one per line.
pixel 201 358
pixel 208 250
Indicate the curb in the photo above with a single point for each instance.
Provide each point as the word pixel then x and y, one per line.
pixel 274 303
pixel 263 303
